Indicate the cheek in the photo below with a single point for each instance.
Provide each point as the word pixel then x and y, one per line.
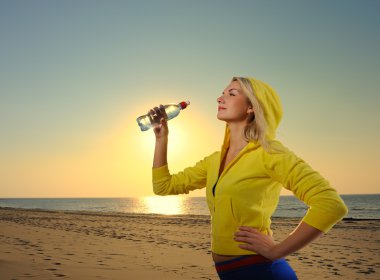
pixel 241 107
pixel 239 113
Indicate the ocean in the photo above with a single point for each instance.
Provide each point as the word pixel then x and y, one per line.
pixel 360 206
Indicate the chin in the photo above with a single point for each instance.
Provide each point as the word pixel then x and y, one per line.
pixel 220 118
pixel 223 119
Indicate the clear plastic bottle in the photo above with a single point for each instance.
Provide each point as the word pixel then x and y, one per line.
pixel 172 110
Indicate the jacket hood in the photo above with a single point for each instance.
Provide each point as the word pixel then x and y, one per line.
pixel 271 105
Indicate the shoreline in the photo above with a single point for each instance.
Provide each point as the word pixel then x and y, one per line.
pixel 110 213
pixel 85 244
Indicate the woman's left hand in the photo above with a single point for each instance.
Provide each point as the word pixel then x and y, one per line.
pixel 256 241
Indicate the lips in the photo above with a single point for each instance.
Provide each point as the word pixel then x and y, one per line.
pixel 221 108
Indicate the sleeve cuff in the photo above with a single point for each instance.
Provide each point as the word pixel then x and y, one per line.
pixel 322 220
pixel 159 172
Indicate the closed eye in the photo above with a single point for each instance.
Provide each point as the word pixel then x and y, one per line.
pixel 233 92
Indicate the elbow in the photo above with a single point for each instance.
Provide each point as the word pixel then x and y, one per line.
pixel 345 211
pixel 341 210
pixel 159 190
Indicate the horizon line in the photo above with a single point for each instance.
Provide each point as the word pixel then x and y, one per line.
pixel 115 197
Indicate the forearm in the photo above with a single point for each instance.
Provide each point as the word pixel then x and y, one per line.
pixel 300 237
pixel 160 152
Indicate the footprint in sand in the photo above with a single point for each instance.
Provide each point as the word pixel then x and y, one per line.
pixel 51 269
pixel 368 271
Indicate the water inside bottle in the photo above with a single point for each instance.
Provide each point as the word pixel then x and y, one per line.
pixel 144 123
pixel 172 110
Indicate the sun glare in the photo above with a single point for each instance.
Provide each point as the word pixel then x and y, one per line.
pixel 168 205
pixel 178 140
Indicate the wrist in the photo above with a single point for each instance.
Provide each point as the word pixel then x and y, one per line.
pixel 277 252
pixel 162 139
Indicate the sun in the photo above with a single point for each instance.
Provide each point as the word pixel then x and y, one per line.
pixel 178 140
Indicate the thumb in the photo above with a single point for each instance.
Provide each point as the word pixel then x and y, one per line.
pixel 163 121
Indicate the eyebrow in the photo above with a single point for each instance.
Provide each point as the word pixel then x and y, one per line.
pixel 232 90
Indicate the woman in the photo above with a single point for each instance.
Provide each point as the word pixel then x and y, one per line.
pixel 243 183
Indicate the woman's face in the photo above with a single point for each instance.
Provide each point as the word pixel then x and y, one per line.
pixel 233 105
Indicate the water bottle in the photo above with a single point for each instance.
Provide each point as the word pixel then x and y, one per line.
pixel 172 110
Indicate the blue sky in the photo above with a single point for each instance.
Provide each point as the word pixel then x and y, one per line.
pixel 74 73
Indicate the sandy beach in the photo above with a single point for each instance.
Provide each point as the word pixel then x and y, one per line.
pixel 82 245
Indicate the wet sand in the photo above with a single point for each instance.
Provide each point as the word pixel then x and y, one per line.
pixel 83 245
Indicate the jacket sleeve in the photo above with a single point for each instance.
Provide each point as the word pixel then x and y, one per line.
pixel 326 207
pixel 187 180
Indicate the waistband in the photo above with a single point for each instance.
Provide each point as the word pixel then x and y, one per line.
pixel 241 261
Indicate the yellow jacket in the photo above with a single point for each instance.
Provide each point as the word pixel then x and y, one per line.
pixel 247 192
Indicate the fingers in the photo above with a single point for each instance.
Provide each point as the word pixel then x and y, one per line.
pixel 244 239
pixel 163 112
pixel 252 239
pixel 247 235
pixel 158 119
pixel 252 233
pixel 156 114
pixel 247 247
pixel 247 238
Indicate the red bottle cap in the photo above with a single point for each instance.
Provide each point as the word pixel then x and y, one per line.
pixel 184 104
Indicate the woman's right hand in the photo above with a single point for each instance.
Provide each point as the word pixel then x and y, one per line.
pixel 158 117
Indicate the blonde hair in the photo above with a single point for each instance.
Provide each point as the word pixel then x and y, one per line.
pixel 257 126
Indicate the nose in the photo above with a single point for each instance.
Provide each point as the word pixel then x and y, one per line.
pixel 220 99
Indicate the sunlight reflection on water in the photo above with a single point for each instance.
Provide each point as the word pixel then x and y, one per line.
pixel 168 205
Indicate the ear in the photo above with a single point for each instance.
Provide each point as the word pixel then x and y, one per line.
pixel 250 110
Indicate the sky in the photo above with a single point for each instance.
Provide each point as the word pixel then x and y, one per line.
pixel 75 75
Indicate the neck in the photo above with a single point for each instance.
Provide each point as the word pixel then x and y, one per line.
pixel 237 141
